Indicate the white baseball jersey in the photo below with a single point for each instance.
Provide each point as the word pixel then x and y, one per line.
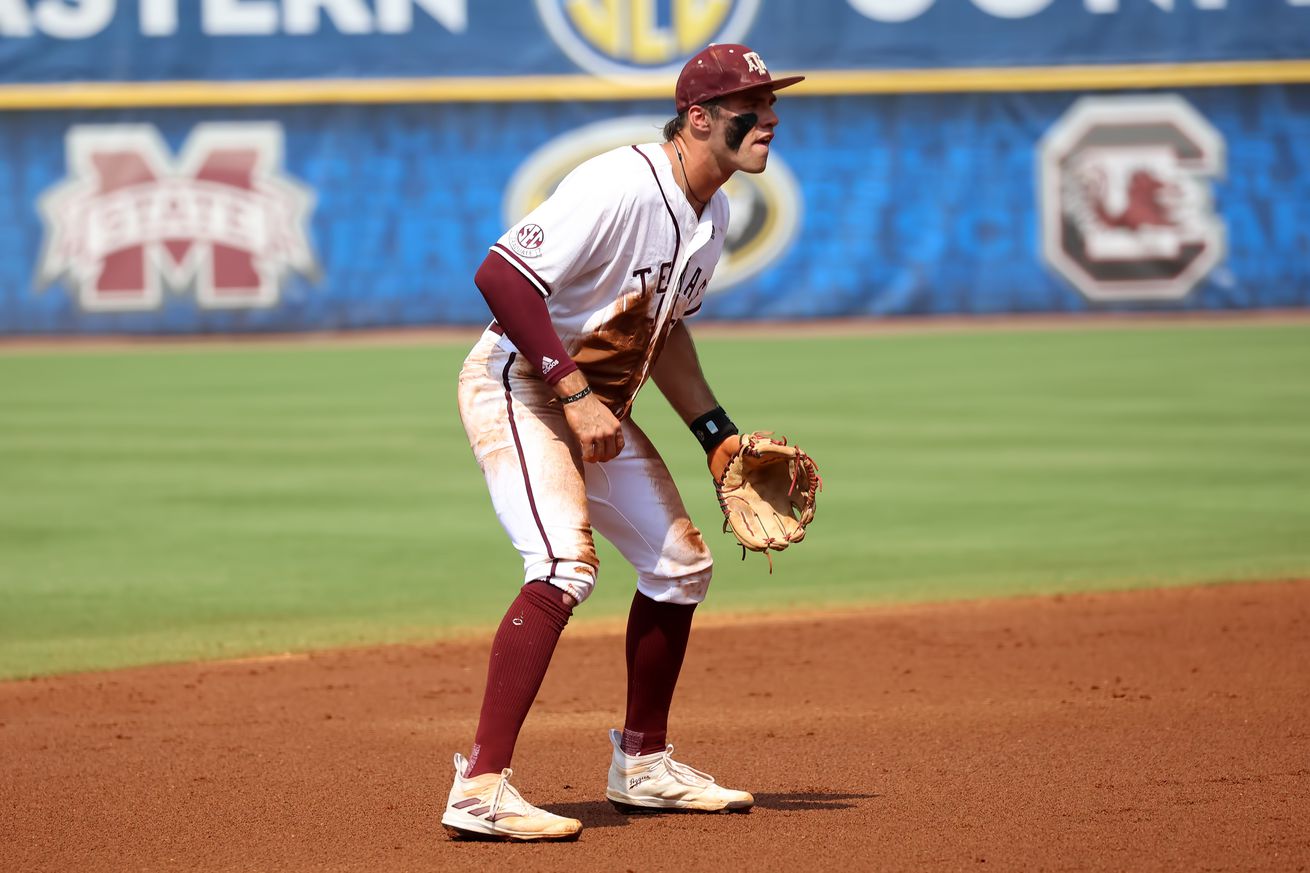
pixel 620 257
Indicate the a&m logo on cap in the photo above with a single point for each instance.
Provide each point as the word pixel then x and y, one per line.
pixel 621 37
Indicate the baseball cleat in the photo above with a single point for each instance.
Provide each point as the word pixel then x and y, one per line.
pixel 487 807
pixel 657 783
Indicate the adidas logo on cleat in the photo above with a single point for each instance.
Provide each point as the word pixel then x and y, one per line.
pixel 489 807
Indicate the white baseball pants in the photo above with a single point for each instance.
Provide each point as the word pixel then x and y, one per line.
pixel 549 500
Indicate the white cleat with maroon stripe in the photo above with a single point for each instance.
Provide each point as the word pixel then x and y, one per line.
pixel 657 783
pixel 487 807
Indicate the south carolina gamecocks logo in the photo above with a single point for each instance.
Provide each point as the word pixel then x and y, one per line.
pixel 1126 197
pixel 222 218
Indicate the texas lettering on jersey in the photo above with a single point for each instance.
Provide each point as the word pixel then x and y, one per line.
pixel 663 273
pixel 691 288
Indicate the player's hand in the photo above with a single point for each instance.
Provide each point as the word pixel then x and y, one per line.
pixel 599 433
pixel 721 454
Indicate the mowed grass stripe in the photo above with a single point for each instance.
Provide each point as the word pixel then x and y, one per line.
pixel 200 503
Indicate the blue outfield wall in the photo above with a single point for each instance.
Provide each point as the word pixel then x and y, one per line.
pixel 873 205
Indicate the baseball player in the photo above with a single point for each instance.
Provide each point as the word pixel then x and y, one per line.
pixel 590 293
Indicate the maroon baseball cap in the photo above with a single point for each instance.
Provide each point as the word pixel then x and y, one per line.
pixel 722 69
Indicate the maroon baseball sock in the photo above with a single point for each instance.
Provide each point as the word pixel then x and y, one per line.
pixel 657 642
pixel 520 654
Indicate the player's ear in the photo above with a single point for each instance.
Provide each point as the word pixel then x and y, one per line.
pixel 699 118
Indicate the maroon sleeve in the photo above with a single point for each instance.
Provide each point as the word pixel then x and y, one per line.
pixel 521 312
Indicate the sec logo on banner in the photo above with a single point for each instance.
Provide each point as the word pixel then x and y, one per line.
pixel 765 209
pixel 622 37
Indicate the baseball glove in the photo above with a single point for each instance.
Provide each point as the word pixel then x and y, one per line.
pixel 767 493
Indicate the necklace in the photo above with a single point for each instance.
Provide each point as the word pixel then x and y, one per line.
pixel 685 181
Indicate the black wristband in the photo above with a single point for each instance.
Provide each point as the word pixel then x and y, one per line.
pixel 574 398
pixel 713 428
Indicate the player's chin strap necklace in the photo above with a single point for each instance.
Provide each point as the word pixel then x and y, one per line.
pixel 686 181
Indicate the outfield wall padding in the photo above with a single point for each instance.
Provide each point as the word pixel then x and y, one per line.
pixel 873 205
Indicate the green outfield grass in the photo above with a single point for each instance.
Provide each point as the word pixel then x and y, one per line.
pixel 199 502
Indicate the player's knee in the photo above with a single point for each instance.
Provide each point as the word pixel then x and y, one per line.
pixel 576 579
pixel 688 589
pixel 684 570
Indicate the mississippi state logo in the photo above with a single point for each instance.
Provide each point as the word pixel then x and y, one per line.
pixel 621 37
pixel 765 209
pixel 1126 197
pixel 221 219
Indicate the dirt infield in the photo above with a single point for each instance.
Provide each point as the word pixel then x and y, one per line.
pixel 1153 730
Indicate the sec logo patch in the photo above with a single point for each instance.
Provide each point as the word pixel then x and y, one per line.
pixel 528 240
